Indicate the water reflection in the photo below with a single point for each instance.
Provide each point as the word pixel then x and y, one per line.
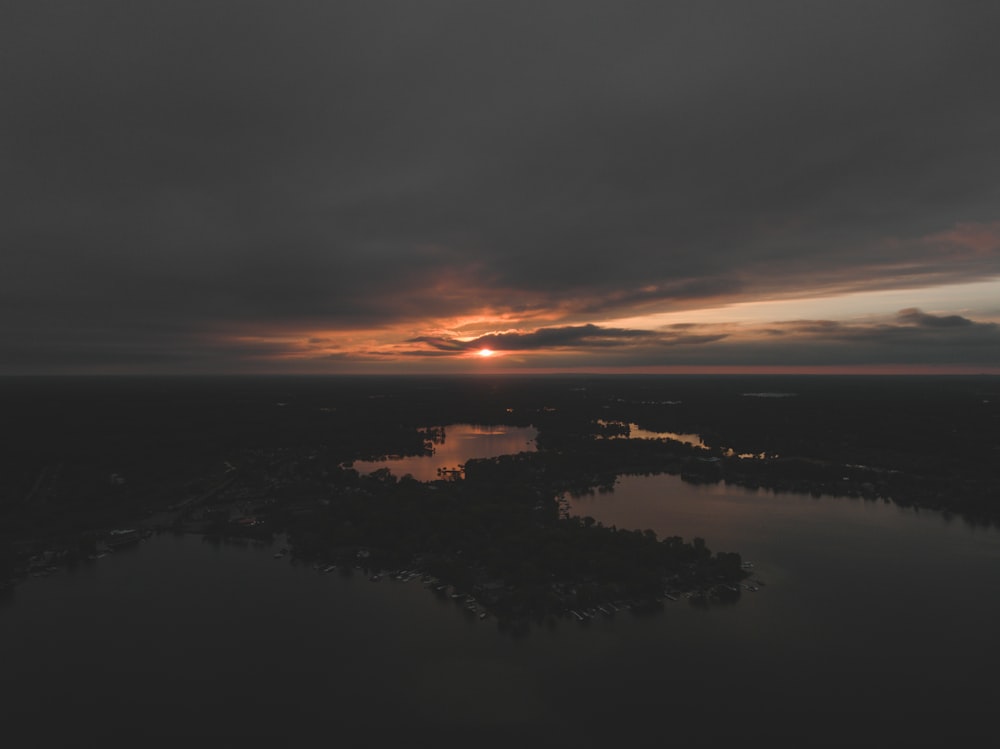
pixel 633 431
pixel 876 621
pixel 453 446
pixel 621 430
pixel 824 544
pixel 644 434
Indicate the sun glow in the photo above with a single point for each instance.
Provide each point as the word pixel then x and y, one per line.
pixel 485 352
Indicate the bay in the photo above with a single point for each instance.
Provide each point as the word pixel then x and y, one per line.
pixel 876 623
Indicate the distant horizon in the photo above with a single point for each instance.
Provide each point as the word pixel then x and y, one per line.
pixel 940 371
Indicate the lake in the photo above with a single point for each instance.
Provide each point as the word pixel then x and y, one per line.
pixel 876 623
pixel 461 442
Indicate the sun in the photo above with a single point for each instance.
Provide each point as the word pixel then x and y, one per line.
pixel 485 352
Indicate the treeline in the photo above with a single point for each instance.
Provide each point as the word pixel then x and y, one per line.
pixel 500 530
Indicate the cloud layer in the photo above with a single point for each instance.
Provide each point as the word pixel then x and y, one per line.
pixel 194 187
pixel 950 339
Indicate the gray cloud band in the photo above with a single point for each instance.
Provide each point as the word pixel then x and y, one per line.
pixel 254 165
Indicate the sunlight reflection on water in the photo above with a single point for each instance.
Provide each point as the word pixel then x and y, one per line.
pixel 461 442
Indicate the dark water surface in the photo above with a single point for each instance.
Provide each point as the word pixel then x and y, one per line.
pixel 876 624
pixel 461 442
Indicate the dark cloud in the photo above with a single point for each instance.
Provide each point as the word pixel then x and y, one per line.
pixel 445 345
pixel 576 337
pixel 911 326
pixel 195 170
pixel 918 317
pixel 543 338
pixel 914 338
pixel 546 338
pixel 427 353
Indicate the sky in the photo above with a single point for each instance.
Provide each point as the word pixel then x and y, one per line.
pixel 420 186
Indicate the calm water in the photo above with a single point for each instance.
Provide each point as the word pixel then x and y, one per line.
pixel 636 433
pixel 462 442
pixel 875 622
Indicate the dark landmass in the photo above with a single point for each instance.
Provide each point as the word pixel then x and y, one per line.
pixel 249 458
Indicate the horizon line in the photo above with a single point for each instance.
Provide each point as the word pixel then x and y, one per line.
pixel 679 370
